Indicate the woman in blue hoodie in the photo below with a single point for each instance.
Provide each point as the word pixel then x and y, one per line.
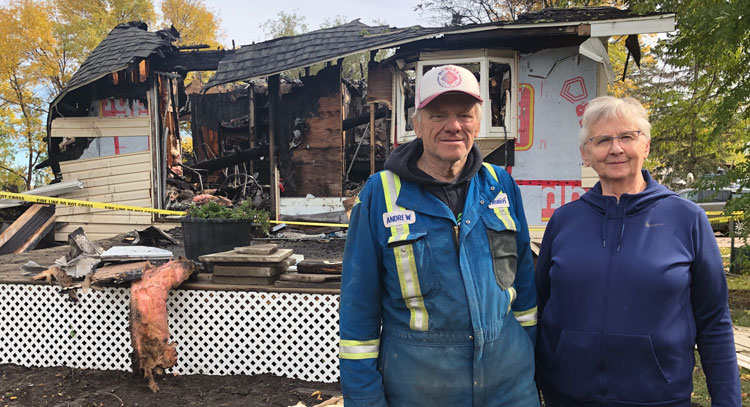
pixel 629 280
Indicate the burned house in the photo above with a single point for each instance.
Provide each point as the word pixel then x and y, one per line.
pixel 261 134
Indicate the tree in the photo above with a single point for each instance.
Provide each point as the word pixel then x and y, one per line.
pixel 82 24
pixel 196 23
pixel 701 109
pixel 24 27
pixel 285 25
pixel 42 42
pixel 460 12
pixel 353 66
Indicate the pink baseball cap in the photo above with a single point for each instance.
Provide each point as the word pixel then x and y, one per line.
pixel 444 79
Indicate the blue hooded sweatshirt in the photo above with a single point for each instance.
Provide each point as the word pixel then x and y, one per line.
pixel 626 290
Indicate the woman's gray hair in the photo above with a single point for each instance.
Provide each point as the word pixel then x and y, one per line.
pixel 605 108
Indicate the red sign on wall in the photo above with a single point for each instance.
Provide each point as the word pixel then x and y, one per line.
pixel 525 117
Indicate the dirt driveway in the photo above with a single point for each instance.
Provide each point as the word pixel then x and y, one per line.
pixel 66 387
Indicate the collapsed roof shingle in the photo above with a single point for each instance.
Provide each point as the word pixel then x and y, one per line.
pixel 281 54
pixel 124 45
pixel 559 15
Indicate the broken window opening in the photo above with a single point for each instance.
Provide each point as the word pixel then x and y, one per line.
pixel 494 70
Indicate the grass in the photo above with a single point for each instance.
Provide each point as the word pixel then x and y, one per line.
pixel 700 391
pixel 739 307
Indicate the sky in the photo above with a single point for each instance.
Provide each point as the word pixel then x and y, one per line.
pixel 241 21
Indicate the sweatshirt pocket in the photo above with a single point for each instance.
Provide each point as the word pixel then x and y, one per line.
pixel 574 365
pixel 633 370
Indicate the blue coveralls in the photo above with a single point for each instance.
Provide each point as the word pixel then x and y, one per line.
pixel 426 301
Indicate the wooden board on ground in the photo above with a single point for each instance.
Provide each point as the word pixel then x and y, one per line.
pixel 742 343
pixel 239 280
pixel 234 257
pixel 246 271
pixel 309 278
pixel 320 266
pixel 257 249
pixel 742 360
pixel 283 265
pixel 26 231
pixel 298 284
pixel 116 272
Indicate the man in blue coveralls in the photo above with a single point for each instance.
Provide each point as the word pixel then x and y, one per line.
pixel 438 305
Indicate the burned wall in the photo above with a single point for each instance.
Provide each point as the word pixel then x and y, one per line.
pixel 208 112
pixel 316 164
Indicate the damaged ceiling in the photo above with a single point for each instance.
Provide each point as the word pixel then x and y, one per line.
pixel 125 45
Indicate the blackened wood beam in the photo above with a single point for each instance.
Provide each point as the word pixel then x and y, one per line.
pixel 193 61
pixel 252 154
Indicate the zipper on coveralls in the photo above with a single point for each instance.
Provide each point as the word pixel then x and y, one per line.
pixel 456 233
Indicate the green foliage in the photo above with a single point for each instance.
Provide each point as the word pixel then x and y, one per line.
pixel 195 21
pixel 80 25
pixel 245 210
pixel 700 103
pixel 460 12
pixel 285 25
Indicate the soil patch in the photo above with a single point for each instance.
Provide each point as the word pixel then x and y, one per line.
pixel 63 386
pixel 739 299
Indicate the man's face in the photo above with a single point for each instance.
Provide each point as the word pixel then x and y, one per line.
pixel 448 126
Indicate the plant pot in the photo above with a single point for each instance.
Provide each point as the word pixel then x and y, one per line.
pixel 208 236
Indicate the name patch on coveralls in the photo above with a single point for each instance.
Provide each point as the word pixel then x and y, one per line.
pixel 396 218
pixel 500 201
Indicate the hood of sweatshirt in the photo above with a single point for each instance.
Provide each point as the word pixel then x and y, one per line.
pixel 403 162
pixel 629 204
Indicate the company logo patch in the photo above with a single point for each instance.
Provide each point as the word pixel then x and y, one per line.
pixel 500 201
pixel 449 77
pixel 396 218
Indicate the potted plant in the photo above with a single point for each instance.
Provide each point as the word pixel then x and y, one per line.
pixel 212 228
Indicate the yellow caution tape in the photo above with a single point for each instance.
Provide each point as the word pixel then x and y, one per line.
pixel 84 204
pixel 99 205
pixel 720 219
pixel 735 213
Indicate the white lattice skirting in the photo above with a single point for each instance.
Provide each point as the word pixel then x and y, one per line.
pixel 217 332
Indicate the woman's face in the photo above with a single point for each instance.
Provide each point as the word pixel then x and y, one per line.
pixel 620 162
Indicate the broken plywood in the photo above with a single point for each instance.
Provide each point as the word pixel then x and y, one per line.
pixel 26 232
pixel 257 249
pixel 244 280
pixel 234 257
pixel 742 344
pixel 379 83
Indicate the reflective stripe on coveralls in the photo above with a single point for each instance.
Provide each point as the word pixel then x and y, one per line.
pixel 526 317
pixel 501 213
pixel 359 349
pixel 404 255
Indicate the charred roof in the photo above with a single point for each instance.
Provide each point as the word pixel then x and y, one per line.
pixel 281 54
pixel 126 44
pixel 561 15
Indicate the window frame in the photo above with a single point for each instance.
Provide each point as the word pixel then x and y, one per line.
pixel 484 57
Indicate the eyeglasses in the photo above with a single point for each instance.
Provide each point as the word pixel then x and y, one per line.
pixel 626 139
